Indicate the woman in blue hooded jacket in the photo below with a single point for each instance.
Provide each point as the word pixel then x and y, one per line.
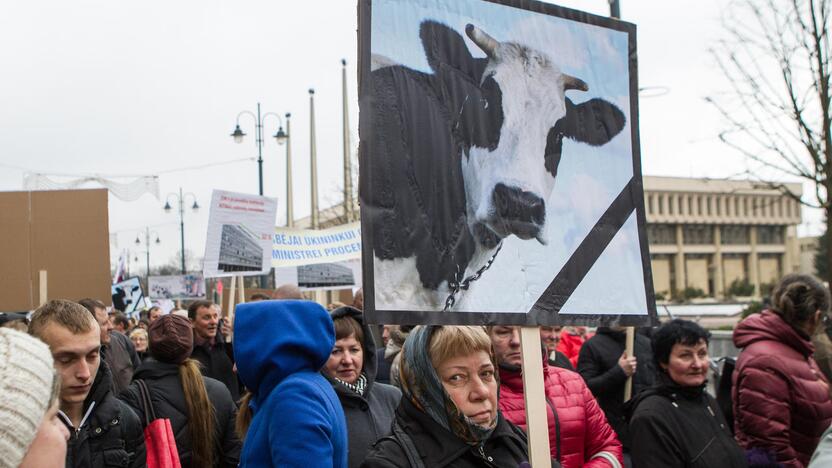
pixel 297 420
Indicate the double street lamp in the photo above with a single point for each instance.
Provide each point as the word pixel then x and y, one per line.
pixel 181 200
pixel 281 137
pixel 147 233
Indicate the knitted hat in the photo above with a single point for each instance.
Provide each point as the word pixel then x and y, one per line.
pixel 27 384
pixel 171 339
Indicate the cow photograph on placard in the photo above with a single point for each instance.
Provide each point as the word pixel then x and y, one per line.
pixel 500 167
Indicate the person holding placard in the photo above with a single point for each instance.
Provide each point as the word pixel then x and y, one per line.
pixel 579 435
pixel 449 415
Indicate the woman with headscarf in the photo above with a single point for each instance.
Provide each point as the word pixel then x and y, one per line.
pixel 448 415
pixel 781 398
pixel 200 409
pixel 369 406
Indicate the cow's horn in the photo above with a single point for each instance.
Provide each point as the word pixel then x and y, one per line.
pixel 570 82
pixel 485 42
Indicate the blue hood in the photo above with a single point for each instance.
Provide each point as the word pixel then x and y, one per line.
pixel 274 339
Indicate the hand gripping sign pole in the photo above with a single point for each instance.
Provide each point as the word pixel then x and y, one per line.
pixel 534 393
pixel 628 347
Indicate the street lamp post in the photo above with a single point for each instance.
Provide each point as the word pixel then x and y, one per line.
pixel 281 137
pixel 181 199
pixel 147 246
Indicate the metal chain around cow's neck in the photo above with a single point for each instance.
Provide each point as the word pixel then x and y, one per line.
pixel 456 285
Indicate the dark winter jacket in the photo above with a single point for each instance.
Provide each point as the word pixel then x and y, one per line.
pixel 218 363
pixel 110 434
pixel 369 417
pixel 297 419
pixel 437 447
pixel 168 400
pixel 598 365
pixel 383 365
pixel 561 361
pixel 781 398
pixel 680 427
pixel 579 435
pixel 122 359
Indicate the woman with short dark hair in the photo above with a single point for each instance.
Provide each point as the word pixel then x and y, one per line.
pixel 676 423
pixel 369 406
pixel 781 398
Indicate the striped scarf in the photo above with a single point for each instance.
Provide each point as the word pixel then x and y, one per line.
pixel 358 387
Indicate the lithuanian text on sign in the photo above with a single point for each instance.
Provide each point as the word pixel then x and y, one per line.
pixel 293 247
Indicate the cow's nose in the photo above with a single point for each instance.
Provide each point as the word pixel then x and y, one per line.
pixel 516 204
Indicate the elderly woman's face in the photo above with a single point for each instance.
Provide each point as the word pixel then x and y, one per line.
pixel 470 382
pixel 688 364
pixel 139 341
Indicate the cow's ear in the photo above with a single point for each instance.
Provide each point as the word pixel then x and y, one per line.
pixel 446 49
pixel 594 122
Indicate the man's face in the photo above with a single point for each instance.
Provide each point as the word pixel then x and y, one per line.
pixel 104 323
pixel 154 314
pixel 205 322
pixel 506 343
pixel 550 337
pixel 76 359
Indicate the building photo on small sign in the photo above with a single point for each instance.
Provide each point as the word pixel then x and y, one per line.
pixel 240 231
pixel 500 167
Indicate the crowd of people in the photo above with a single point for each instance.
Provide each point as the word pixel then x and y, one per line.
pixel 292 383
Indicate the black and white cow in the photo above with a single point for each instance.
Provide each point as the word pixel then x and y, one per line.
pixel 461 158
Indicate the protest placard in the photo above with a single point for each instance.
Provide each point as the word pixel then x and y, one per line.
pixel 296 247
pixel 321 276
pixel 176 287
pixel 240 233
pixel 128 296
pixel 500 168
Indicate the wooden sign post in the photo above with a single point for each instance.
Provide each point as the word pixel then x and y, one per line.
pixel 628 348
pixel 42 296
pixel 534 393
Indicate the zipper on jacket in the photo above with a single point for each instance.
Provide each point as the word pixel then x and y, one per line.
pixel 486 458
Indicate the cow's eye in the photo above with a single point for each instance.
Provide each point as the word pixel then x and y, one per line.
pixel 484 103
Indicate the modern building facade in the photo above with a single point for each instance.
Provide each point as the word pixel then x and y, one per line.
pixel 711 237
pixel 720 238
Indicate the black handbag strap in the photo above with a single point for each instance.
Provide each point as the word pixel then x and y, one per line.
pixel 147 404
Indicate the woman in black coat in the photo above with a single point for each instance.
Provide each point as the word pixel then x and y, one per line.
pixel 676 423
pixel 200 409
pixel 448 416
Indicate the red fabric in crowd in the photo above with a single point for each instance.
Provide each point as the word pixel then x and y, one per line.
pixel 584 430
pixel 781 398
pixel 570 345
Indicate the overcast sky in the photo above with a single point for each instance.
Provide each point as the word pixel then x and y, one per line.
pixel 139 88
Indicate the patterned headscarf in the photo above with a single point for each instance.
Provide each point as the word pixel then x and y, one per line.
pixel 423 387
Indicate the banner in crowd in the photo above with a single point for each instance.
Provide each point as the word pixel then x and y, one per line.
pixel 500 166
pixel 129 297
pixel 296 247
pixel 240 232
pixel 322 276
pixel 177 287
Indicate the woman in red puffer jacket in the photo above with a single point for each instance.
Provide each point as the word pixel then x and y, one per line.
pixel 579 435
pixel 781 398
